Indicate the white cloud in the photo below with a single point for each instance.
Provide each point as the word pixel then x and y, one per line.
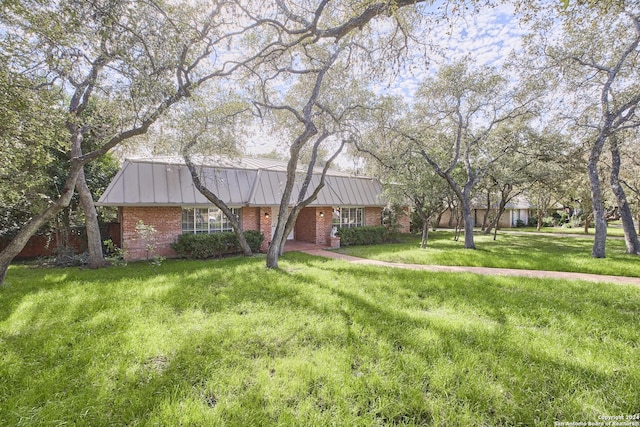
pixel 486 37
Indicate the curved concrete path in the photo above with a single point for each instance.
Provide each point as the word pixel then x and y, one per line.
pixel 479 270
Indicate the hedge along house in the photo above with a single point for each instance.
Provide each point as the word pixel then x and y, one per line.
pixel 160 192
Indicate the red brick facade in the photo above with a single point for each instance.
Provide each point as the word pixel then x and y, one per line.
pixel 313 225
pixel 372 216
pixel 405 220
pixel 166 220
pixel 264 216
pixel 250 218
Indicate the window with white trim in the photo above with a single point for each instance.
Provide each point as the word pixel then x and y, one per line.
pixel 348 217
pixel 207 220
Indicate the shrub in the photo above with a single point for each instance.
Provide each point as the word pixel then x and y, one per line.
pixel 548 221
pixel 368 235
pixel 254 239
pixel 416 223
pixel 574 222
pixel 115 255
pixel 203 246
pixel 148 233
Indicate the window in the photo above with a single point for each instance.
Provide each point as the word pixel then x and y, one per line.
pixel 348 217
pixel 206 220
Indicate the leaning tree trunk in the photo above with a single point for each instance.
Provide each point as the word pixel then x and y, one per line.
pixel 94 239
pixel 497 221
pixel 485 218
pixel 495 224
pixel 219 203
pixel 630 235
pixel 599 220
pixel 30 228
pixel 436 224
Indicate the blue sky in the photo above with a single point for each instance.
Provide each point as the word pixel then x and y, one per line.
pixel 487 37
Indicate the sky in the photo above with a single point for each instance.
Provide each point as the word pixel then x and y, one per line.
pixel 487 37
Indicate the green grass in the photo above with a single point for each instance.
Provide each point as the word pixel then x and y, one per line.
pixel 320 342
pixel 613 230
pixel 532 252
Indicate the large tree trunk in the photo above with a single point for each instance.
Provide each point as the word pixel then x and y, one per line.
pixel 30 228
pixel 630 235
pixel 278 239
pixel 468 224
pixel 539 223
pixel 599 220
pixel 94 239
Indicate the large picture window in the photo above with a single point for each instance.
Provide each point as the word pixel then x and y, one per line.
pixel 206 220
pixel 348 217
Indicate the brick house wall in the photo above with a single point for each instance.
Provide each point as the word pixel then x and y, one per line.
pixel 405 220
pixel 250 218
pixel 314 225
pixel 264 218
pixel 372 216
pixel 310 226
pixel 166 220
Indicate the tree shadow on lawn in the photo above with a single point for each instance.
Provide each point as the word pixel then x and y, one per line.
pixel 398 331
pixel 127 386
pixel 515 251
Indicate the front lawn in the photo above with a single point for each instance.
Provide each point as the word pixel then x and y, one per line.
pixel 320 342
pixel 613 230
pixel 532 252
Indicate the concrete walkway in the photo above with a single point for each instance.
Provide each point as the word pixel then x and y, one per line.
pixel 479 270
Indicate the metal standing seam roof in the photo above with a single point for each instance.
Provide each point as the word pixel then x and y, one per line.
pixel 153 182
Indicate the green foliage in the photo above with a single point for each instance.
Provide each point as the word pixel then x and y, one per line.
pixel 115 255
pixel 416 222
pixel 31 127
pixel 147 233
pixel 391 220
pixel 254 239
pixel 214 245
pixel 368 235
